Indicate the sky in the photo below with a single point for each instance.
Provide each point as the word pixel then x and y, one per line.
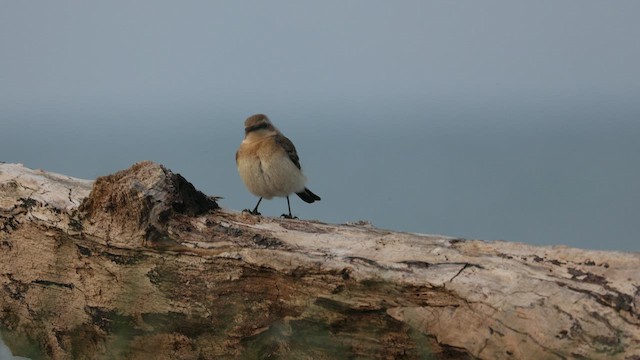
pixel 505 120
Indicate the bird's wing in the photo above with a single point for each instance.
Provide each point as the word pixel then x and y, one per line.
pixel 288 147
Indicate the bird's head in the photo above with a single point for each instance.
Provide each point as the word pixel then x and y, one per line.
pixel 257 123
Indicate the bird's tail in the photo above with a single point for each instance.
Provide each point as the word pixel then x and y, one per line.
pixel 307 196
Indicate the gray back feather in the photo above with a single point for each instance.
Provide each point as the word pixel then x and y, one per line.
pixel 288 146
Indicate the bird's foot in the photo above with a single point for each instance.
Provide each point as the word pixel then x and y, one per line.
pixel 288 216
pixel 251 212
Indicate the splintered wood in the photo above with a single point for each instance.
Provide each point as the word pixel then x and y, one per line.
pixel 141 265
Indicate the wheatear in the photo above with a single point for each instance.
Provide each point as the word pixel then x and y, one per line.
pixel 269 165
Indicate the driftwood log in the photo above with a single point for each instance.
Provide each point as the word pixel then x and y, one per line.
pixel 141 265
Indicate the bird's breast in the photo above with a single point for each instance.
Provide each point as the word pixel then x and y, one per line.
pixel 267 171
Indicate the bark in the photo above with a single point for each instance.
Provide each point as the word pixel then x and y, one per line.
pixel 140 265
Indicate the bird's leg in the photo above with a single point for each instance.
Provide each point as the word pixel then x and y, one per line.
pixel 255 209
pixel 288 216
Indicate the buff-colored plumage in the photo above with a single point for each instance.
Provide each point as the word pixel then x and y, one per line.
pixel 268 162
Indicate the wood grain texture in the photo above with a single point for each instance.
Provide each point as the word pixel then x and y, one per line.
pixel 141 265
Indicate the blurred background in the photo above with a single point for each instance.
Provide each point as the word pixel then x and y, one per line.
pixel 491 120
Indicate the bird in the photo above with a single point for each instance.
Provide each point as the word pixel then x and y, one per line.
pixel 269 165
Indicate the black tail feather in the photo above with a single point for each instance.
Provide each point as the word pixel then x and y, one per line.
pixel 308 196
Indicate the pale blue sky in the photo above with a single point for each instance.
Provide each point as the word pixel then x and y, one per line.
pixel 483 119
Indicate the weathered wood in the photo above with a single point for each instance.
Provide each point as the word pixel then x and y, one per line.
pixel 148 267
